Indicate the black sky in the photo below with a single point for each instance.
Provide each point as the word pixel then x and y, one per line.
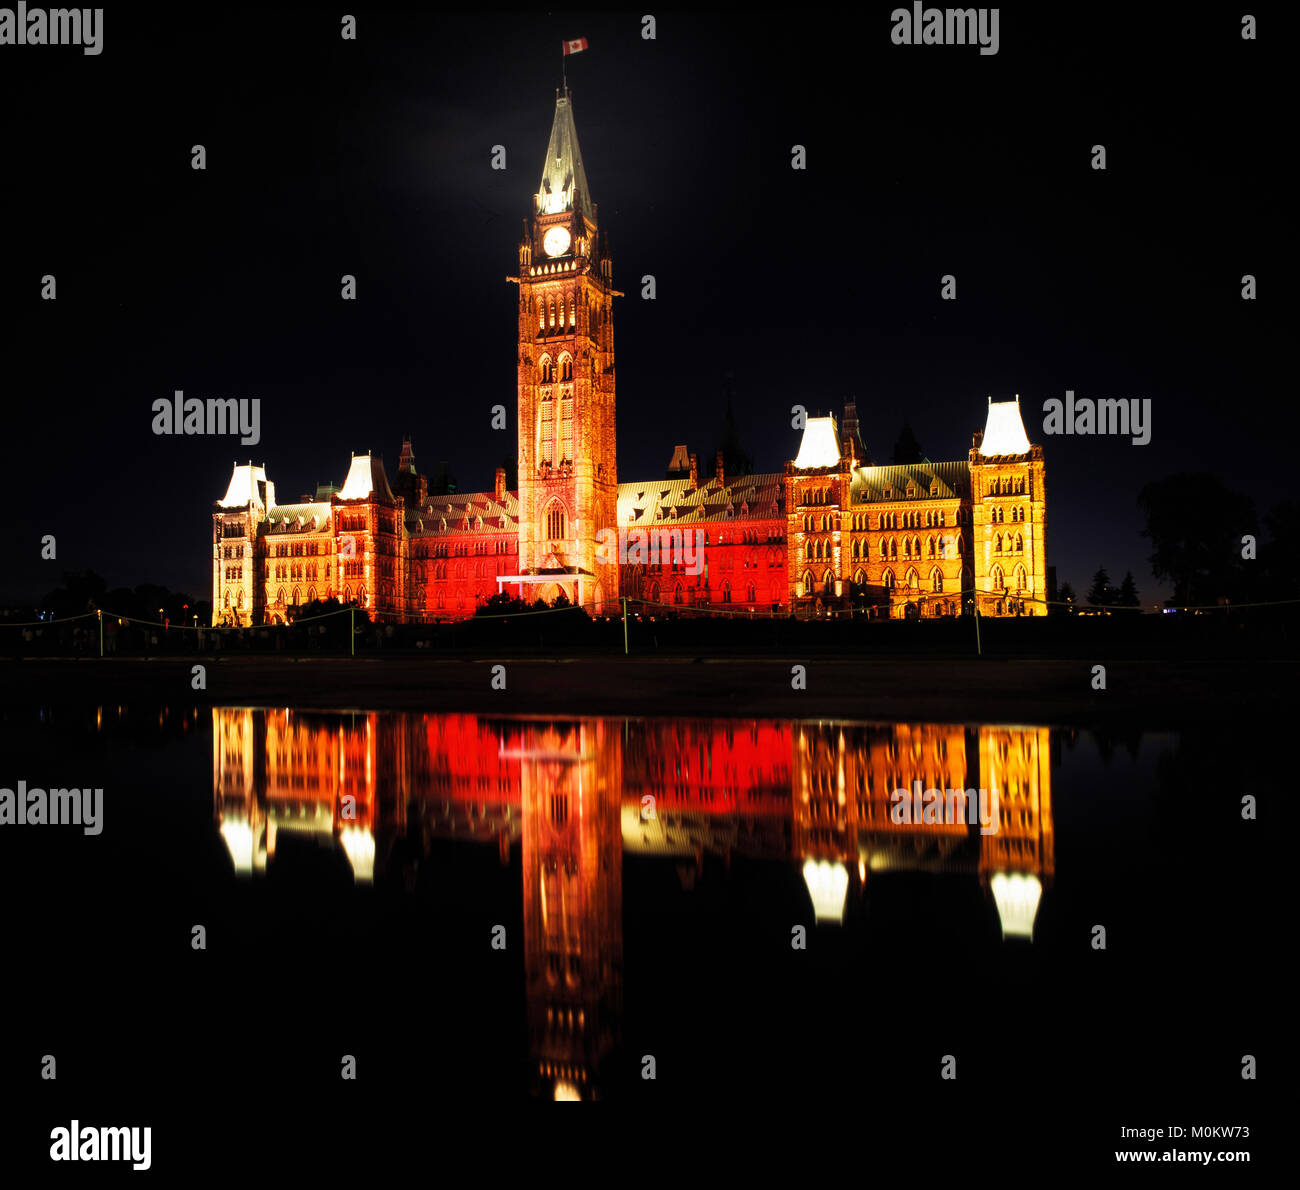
pixel 372 157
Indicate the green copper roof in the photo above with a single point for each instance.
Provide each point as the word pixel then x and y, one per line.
pixel 563 171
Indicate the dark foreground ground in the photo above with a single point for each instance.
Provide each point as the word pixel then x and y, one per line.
pixel 1153 693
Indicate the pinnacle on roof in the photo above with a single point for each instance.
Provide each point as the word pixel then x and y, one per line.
pixel 564 180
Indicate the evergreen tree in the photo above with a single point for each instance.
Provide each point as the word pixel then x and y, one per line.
pixel 1066 593
pixel 1102 593
pixel 1128 592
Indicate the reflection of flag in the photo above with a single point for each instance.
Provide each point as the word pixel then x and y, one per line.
pixel 575 46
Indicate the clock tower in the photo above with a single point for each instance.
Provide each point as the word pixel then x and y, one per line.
pixel 568 477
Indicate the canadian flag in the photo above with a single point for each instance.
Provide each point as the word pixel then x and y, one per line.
pixel 575 46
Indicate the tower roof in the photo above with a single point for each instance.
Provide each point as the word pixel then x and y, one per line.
pixel 564 180
pixel 820 446
pixel 366 478
pixel 243 489
pixel 1004 432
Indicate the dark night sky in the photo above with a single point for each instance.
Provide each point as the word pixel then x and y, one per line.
pixel 328 157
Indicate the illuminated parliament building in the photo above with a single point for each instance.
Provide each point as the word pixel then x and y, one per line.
pixel 828 534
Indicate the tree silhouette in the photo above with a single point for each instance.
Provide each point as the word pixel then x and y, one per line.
pixel 1102 593
pixel 1195 525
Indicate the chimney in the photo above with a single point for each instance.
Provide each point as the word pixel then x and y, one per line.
pixel 695 475
pixel 720 471
pixel 501 485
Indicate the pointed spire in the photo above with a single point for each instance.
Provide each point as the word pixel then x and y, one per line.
pixel 564 180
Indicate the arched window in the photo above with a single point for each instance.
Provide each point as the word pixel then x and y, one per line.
pixel 1020 544
pixel 997 581
pixel 550 306
pixel 677 593
pixel 726 592
pixel 931 554
pixel 808 583
pixel 936 579
pixel 888 580
pixel 555 521
pixel 912 579
pixel 884 550
pixel 893 548
pixel 860 578
pixel 997 544
pixel 1020 578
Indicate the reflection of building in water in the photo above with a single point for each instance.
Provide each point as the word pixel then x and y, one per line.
pixel 844 779
pixel 571 786
pixel 685 788
pixel 721 787
pixel 299 772
pixel 1017 860
pixel 815 794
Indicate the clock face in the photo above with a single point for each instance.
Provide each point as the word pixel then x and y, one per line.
pixel 556 241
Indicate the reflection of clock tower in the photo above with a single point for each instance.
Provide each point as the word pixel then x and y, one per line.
pixel 568 479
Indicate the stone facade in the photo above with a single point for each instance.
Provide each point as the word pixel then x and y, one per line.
pixel 831 535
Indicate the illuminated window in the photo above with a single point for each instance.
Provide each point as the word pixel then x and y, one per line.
pixel 555 523
pixel 547 433
pixel 566 430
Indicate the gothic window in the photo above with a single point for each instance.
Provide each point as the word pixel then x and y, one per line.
pixel 726 591
pixel 566 429
pixel 555 522
pixel 545 367
pixel 808 583
pixel 931 547
pixel 997 544
pixel 893 548
pixel 996 579
pixel 677 593
pixel 888 580
pixel 547 434
pixel 541 315
pixel 912 579
pixel 1020 544
pixel 550 306
pixel 1020 578
pixel 572 320
pixel 936 579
